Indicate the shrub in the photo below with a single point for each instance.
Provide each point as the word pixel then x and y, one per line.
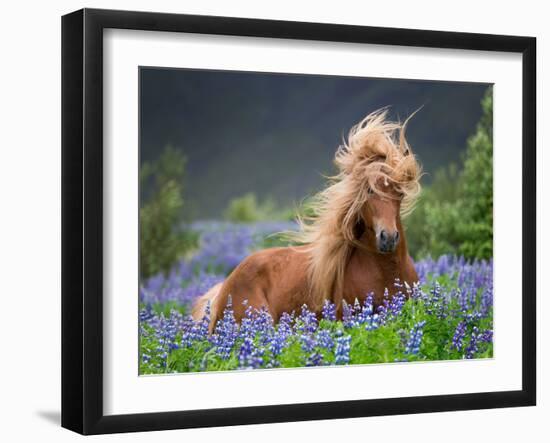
pixel 248 209
pixel 162 241
pixel 455 213
pixel 244 209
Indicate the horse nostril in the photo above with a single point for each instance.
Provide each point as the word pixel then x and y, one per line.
pixel 383 235
pixel 396 237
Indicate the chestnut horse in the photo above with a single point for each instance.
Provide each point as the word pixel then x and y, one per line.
pixel 354 244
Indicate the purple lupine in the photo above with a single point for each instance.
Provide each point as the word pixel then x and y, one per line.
pixel 436 303
pixel 306 322
pixel 198 330
pixel 247 322
pixel 396 304
pixel 347 315
pixel 279 339
pixel 343 347
pixel 165 330
pixel 226 332
pixel 415 338
pixel 329 311
pixel 487 299
pixel 473 317
pixel 368 304
pixel 486 336
pixel 363 314
pixel 458 337
pixel 314 359
pixel 324 339
pixel 416 292
pixel 307 342
pixel 173 291
pixel 277 344
pixel 146 314
pixel 250 356
pixel 391 306
pixel 263 324
pixel 203 324
pixel 284 326
pixel 473 345
pixel 372 322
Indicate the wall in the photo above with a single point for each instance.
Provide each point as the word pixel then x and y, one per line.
pixel 30 217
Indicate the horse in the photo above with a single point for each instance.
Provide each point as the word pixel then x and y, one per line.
pixel 354 243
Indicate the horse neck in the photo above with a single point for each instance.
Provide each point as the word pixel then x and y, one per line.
pixel 402 249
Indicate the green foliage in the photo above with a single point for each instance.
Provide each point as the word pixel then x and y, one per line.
pixel 162 241
pixel 434 214
pixel 455 213
pixel 248 209
pixel 477 189
pixel 244 209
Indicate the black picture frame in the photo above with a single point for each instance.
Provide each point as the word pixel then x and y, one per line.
pixel 82 220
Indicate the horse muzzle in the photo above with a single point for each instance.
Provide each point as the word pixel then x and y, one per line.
pixel 387 242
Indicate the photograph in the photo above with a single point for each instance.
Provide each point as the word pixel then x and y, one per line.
pixel 260 220
pixel 297 220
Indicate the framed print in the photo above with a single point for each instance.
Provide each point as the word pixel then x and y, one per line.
pixel 269 221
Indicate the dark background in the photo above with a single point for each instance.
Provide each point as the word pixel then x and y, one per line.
pixel 276 134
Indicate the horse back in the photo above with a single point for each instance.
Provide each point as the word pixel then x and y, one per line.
pixel 274 278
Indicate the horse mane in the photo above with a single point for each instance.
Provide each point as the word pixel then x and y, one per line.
pixel 376 149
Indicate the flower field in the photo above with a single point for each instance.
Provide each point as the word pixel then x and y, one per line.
pixel 447 316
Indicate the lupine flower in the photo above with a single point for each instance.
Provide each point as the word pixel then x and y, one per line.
pixel 458 337
pixel 285 324
pixel 247 323
pixel 307 342
pixel 198 330
pixel 415 338
pixel 473 345
pixel 146 314
pixel 436 302
pixel 307 321
pixel 486 336
pixel 226 332
pixel 343 347
pixel 329 311
pixel 324 339
pixel 277 344
pixel 368 307
pixel 250 357
pixel 314 359
pixel 372 322
pixel 263 325
pixel 347 315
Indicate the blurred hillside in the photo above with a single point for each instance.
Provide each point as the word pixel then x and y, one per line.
pixel 276 134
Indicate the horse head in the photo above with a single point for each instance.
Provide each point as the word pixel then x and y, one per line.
pixel 381 178
pixel 380 218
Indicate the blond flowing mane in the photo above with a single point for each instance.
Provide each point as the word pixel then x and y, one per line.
pixel 375 149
